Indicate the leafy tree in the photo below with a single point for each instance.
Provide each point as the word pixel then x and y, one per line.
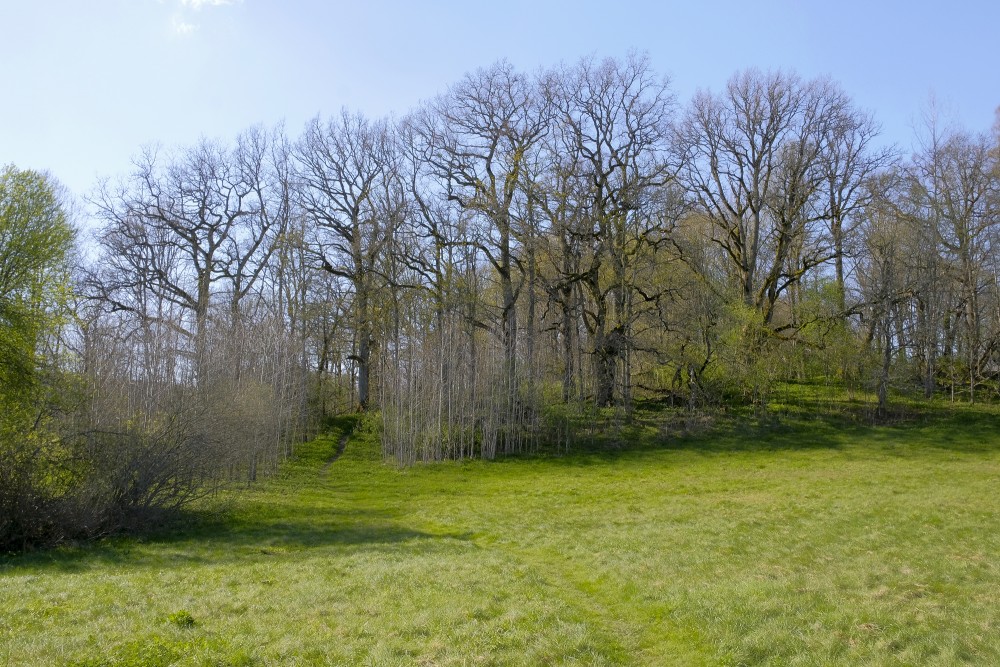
pixel 35 243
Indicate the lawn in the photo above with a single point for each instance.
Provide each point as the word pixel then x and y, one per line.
pixel 809 542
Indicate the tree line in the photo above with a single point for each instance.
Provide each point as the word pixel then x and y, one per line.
pixel 489 274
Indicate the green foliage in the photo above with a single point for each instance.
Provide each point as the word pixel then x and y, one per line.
pixel 35 242
pixel 748 363
pixel 182 619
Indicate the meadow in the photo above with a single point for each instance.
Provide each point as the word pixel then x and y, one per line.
pixel 803 541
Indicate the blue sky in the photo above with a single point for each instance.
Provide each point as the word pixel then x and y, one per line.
pixel 87 83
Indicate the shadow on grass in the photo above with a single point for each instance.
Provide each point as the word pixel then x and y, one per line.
pixel 279 516
pixel 192 538
pixel 908 427
pixel 962 429
pixel 706 435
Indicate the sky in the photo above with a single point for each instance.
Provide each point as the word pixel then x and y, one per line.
pixel 86 84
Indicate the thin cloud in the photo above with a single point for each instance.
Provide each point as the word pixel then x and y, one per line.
pixel 181 22
pixel 198 4
pixel 182 27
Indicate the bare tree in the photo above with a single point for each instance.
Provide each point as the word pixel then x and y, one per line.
pixel 954 190
pixel 609 155
pixel 181 294
pixel 200 228
pixel 755 159
pixel 852 163
pixel 343 167
pixel 482 133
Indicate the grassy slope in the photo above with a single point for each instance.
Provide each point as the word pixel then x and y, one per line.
pixel 805 544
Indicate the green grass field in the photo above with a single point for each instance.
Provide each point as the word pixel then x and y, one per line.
pixel 813 542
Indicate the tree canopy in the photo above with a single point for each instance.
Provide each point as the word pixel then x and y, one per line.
pixel 35 243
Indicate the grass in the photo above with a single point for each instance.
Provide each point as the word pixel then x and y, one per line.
pixel 809 542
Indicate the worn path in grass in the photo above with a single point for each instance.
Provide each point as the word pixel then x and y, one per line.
pixel 341 446
pixel 806 544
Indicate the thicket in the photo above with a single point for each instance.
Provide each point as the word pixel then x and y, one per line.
pixel 516 260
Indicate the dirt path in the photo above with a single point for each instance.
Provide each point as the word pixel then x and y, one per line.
pixel 341 446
